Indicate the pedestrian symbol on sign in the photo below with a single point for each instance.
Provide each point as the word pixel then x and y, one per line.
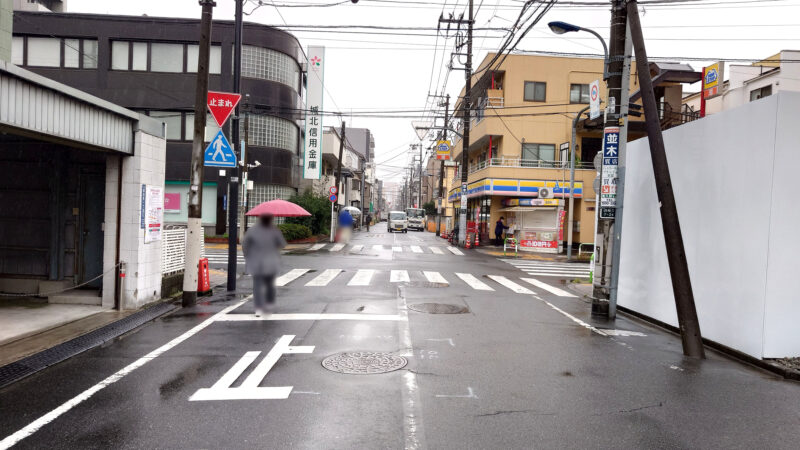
pixel 219 152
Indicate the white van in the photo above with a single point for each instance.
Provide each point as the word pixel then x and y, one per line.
pixel 398 221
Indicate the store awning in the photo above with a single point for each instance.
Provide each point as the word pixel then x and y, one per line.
pixel 527 208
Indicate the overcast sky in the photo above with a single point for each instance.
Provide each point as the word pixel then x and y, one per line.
pixel 394 72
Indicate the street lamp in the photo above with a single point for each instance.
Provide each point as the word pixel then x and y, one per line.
pixel 559 27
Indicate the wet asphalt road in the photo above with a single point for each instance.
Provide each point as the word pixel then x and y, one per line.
pixel 517 371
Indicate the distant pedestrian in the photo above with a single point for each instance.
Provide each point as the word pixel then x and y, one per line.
pixel 369 220
pixel 345 226
pixel 499 231
pixel 262 246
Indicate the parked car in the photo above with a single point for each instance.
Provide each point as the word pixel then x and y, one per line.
pixel 398 221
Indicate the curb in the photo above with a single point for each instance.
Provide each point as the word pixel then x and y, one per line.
pixel 32 364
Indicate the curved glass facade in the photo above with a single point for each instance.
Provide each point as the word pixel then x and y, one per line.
pixel 267 64
pixel 271 131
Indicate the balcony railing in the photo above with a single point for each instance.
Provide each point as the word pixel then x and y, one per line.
pixel 520 163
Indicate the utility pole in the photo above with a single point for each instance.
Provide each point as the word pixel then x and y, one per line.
pixel 441 168
pixel 572 179
pixel 195 214
pixel 338 181
pixel 245 171
pixel 601 286
pixel 676 256
pixel 233 186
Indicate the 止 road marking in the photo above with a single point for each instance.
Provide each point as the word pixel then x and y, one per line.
pixel 249 389
pixel 448 340
pixel 361 278
pixel 435 277
pixel 436 250
pixel 377 247
pixel 397 249
pixel 308 316
pixel 455 251
pixel 416 249
pixel 337 247
pixel 317 247
pixel 399 276
pixel 356 248
pixel 473 282
pixel 510 284
pixel 324 278
pixel 471 394
pixel 290 276
pixel 548 288
pixel 37 424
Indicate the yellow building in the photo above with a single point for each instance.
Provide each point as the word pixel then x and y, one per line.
pixel 519 149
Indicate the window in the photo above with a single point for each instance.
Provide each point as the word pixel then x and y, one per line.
pixel 139 61
pixel 89 53
pixel 211 127
pixel 173 121
pixel 535 91
pixel 270 131
pixel 44 52
pixel 166 57
pixel 756 94
pixel 72 52
pixel 579 93
pixel 267 64
pixel 215 64
pixel 17 50
pixel 538 155
pixel 119 55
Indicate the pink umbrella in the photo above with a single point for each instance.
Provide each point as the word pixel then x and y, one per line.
pixel 278 208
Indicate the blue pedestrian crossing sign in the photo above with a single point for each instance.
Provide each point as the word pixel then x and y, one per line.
pixel 219 152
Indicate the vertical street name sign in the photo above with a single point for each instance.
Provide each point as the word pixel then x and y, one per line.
pixel 608 177
pixel 312 156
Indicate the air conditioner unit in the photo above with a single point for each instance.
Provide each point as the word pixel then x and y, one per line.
pixel 545 193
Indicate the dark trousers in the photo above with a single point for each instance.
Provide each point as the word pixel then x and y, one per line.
pixel 263 290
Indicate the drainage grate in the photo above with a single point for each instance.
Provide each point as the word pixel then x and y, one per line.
pixel 364 363
pixel 438 308
pixel 46 358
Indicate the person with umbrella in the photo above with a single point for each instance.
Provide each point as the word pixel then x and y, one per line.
pixel 262 246
pixel 345 226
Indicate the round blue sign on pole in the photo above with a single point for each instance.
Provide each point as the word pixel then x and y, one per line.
pixel 332 197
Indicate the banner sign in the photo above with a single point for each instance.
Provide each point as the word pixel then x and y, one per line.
pixel 594 99
pixel 312 156
pixel 712 80
pixel 608 177
pixel 153 213
pixel 443 150
pixel 172 202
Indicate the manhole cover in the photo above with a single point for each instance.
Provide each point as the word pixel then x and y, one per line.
pixel 364 363
pixel 438 308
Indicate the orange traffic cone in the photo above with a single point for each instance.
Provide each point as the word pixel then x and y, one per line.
pixel 477 240
pixel 468 244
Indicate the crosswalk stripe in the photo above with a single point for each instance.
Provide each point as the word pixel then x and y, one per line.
pixel 546 269
pixel 551 267
pixel 337 247
pixel 455 251
pixel 473 282
pixel 436 250
pixel 317 247
pixel 435 277
pixel 397 249
pixel 563 275
pixel 356 248
pixel 361 278
pixel 324 278
pixel 416 249
pixel 399 276
pixel 290 276
pixel 510 284
pixel 548 288
pixel 377 247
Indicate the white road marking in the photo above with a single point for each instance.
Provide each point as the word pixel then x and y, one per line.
pixel 397 249
pixel 337 247
pixel 674 367
pixel 436 250
pixel 471 394
pixel 473 282
pixel 290 276
pixel 356 248
pixel 37 424
pixel 399 276
pixel 413 430
pixel 377 247
pixel 435 277
pixel 511 285
pixel 249 389
pixel 361 278
pixel 455 251
pixel 317 247
pixel 308 316
pixel 305 392
pixel 416 249
pixel 448 340
pixel 623 333
pixel 558 274
pixel 548 288
pixel 571 317
pixel 324 278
